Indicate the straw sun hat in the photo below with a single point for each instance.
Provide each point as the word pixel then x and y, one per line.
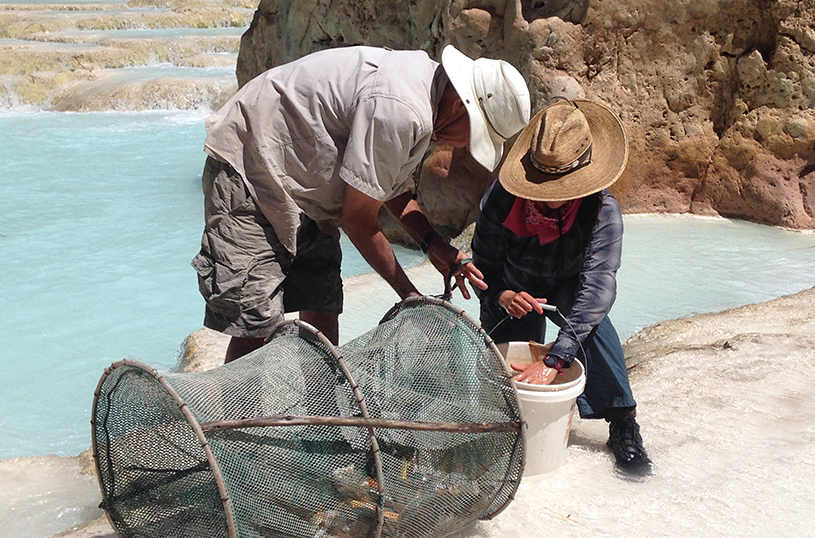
pixel 496 98
pixel 569 150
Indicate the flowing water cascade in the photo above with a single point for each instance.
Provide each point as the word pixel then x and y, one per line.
pixel 136 56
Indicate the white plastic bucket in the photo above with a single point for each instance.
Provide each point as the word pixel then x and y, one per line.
pixel 548 410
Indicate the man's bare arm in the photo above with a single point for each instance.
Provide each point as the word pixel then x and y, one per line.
pixel 358 220
pixel 441 254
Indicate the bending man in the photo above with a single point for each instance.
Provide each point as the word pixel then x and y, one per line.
pixel 327 140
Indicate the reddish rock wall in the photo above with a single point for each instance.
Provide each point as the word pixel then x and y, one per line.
pixel 717 94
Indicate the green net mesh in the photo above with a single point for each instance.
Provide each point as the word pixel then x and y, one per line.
pixel 179 455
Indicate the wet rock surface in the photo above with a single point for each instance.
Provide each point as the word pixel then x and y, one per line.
pixel 726 408
pixel 717 95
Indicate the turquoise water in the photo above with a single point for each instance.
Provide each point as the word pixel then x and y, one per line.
pixel 143 73
pixel 101 213
pixel 676 265
pixel 679 265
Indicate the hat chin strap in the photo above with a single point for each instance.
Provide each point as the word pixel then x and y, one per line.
pixel 580 162
pixel 490 123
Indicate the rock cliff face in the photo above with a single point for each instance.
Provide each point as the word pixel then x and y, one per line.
pixel 717 95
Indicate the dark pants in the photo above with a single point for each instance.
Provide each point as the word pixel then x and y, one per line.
pixel 607 390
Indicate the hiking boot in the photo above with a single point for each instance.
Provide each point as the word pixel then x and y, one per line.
pixel 625 441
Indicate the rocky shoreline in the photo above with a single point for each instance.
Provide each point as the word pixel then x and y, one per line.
pixel 733 381
pixel 717 97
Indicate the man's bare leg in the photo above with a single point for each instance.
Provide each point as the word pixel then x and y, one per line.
pixel 329 324
pixel 238 347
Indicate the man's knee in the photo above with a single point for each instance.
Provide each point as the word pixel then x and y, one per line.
pixel 328 324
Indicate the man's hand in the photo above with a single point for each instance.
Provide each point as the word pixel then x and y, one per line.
pixel 537 373
pixel 518 304
pixel 445 258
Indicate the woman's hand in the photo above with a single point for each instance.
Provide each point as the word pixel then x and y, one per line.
pixel 520 303
pixel 535 373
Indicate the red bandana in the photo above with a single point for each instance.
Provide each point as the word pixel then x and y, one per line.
pixel 528 218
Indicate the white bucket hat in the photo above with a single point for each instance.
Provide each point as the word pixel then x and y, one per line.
pixel 496 98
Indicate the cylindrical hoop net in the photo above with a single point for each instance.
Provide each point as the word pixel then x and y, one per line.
pixel 411 430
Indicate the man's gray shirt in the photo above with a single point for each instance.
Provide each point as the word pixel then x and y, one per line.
pixel 300 132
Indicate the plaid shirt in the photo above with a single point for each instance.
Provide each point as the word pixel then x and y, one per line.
pixel 576 272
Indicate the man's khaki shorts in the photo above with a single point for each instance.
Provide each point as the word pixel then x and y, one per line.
pixel 246 276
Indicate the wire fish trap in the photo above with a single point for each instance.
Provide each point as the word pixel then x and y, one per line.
pixel 411 430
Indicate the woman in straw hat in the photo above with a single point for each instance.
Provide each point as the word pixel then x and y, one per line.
pixel 549 232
